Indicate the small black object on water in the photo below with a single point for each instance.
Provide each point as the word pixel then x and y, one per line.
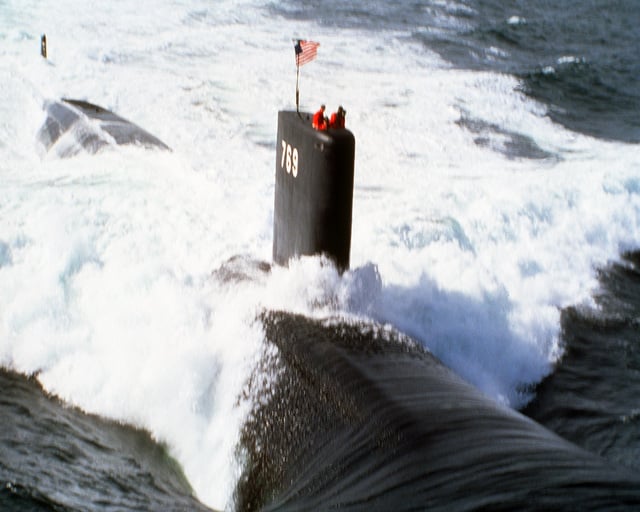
pixel 43 45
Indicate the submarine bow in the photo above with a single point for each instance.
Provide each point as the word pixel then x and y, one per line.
pixel 75 125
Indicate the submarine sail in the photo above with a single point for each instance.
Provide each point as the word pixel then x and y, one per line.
pixel 313 190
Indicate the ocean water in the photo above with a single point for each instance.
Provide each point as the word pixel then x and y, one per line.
pixel 495 222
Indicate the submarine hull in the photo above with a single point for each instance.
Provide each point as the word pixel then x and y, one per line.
pixel 72 126
pixel 359 417
pixel 313 191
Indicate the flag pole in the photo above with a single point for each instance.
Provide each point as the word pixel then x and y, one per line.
pixel 297 87
pixel 305 52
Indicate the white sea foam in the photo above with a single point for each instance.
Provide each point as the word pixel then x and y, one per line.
pixel 106 260
pixel 516 20
pixel 570 59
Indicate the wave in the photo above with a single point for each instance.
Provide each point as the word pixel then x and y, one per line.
pixel 587 97
pixel 591 397
pixel 53 457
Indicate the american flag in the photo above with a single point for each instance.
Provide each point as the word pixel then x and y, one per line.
pixel 306 51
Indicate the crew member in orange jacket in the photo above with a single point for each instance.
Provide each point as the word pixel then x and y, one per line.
pixel 337 118
pixel 319 121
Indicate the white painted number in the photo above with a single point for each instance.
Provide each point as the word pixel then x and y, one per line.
pixel 295 162
pixel 289 160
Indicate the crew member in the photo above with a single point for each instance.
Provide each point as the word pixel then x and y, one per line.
pixel 319 120
pixel 337 118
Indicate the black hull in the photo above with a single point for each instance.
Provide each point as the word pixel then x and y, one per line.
pixel 89 127
pixel 359 417
pixel 313 191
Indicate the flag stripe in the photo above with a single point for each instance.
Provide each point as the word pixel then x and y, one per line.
pixel 306 51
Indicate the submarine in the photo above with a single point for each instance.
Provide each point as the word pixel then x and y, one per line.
pixel 361 417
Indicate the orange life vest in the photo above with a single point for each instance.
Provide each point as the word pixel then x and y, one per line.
pixel 336 121
pixel 318 120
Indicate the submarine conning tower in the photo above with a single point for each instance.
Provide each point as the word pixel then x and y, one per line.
pixel 313 190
